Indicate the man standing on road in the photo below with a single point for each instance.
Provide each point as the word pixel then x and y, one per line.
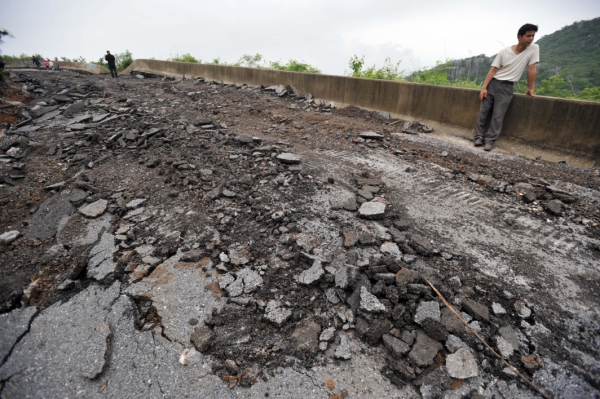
pixel 36 61
pixel 111 64
pixel 497 91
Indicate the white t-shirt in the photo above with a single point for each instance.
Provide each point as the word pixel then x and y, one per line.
pixel 511 66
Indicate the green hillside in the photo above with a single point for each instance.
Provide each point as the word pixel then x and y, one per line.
pixel 572 53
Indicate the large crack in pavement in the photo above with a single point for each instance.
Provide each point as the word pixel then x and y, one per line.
pixel 187 237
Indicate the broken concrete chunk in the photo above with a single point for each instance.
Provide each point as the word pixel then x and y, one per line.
pixel 101 258
pixel 343 349
pixel 462 364
pixel 288 158
pixel 190 356
pixel 427 310
pixel 135 203
pixel 94 209
pixel 305 337
pixel 476 308
pixel 202 338
pixel 311 275
pixel 369 302
pixel 396 346
pixel 424 350
pixel 276 314
pixel 327 334
pixel 371 135
pixel 372 210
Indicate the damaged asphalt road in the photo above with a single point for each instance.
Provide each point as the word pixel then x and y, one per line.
pixel 187 238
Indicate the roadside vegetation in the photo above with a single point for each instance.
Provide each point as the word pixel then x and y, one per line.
pixel 254 61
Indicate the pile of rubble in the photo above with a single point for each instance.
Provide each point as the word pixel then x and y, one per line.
pixel 248 255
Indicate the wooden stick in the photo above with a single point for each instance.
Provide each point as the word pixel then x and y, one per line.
pixel 513 369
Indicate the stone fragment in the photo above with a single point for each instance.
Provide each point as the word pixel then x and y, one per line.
pixel 407 276
pixel 369 302
pixel 288 158
pixel 239 257
pixel 462 364
pixel 377 330
pixel 343 349
pixel 345 275
pixel 332 296
pixel 190 356
pixel 390 248
pixel 202 338
pixel 555 207
pixel 427 310
pixel 135 203
pixel 498 309
pixel 476 308
pixel 350 239
pixel 522 309
pixel 424 350
pixel 453 343
pixel 311 275
pixel 276 314
pixel 371 135
pixel 45 221
pixel 372 210
pixel 396 346
pixel 327 334
pixel 252 279
pixel 420 244
pixel 100 262
pixel 192 256
pixel 94 209
pixel 451 322
pixel 9 237
pixel 305 337
pixel 75 108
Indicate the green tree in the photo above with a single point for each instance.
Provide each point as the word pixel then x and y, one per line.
pixel 187 57
pixel 251 61
pixel 589 93
pixel 123 60
pixel 389 71
pixel 294 66
pixel 555 86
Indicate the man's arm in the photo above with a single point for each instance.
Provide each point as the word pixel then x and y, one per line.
pixel 531 72
pixel 486 83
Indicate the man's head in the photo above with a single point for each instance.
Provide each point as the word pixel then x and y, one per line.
pixel 526 34
pixel 108 52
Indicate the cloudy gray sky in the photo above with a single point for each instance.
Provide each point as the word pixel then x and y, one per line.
pixel 325 33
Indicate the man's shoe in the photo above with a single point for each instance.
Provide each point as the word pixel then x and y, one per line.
pixel 478 142
pixel 488 146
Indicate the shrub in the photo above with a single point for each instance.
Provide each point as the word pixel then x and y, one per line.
pixel 389 71
pixel 187 57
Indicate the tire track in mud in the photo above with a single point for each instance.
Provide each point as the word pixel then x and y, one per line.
pixel 519 251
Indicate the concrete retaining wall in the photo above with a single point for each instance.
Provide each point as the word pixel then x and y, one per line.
pixel 567 126
pixel 78 66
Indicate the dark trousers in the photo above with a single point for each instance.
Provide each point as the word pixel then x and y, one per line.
pixel 113 70
pixel 497 101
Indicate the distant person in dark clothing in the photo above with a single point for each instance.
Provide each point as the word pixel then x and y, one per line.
pixel 36 61
pixel 111 64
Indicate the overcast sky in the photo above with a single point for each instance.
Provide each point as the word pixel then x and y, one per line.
pixel 325 33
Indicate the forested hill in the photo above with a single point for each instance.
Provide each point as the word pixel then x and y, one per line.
pixel 572 53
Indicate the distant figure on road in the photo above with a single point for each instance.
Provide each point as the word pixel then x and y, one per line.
pixel 51 65
pixel 111 64
pixel 47 64
pixel 497 91
pixel 35 60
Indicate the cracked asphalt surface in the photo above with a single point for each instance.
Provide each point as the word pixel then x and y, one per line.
pixel 188 238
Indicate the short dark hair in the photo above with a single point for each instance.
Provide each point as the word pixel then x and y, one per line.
pixel 526 28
